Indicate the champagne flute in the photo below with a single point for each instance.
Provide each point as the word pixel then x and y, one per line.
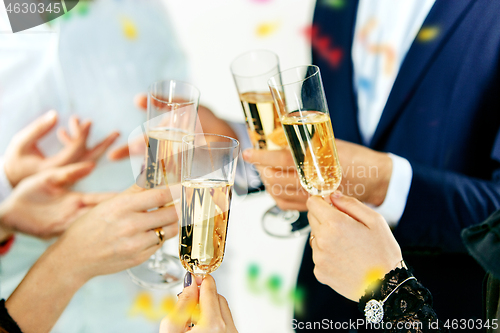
pixel 251 71
pixel 300 97
pixel 208 172
pixel 172 113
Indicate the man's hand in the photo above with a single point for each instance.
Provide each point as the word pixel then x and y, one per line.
pixel 23 158
pixel 279 175
pixel 43 206
pixel 352 244
pixel 365 174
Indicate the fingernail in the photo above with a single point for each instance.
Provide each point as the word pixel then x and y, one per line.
pixel 188 279
pixel 337 194
pixel 179 294
pixel 247 154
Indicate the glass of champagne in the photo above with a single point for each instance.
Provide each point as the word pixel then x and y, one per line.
pixel 251 71
pixel 208 172
pixel 171 114
pixel 300 97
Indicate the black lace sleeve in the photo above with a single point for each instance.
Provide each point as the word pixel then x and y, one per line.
pixel 408 309
pixel 7 324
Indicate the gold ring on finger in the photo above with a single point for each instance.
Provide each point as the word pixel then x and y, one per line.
pixel 160 234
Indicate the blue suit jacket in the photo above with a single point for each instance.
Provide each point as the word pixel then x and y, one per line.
pixel 443 113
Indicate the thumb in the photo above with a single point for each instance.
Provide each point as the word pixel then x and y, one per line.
pixel 37 129
pixel 177 320
pixel 70 174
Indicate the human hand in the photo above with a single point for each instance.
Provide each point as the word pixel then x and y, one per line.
pixel 279 175
pixel 137 146
pixel 43 206
pixel 117 234
pixel 215 316
pixel 23 157
pixel 352 244
pixel 365 172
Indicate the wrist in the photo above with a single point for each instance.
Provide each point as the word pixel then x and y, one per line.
pixel 70 270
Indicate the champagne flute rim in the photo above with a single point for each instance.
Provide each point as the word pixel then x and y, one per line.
pixel 271 83
pixel 235 142
pixel 193 100
pixel 255 75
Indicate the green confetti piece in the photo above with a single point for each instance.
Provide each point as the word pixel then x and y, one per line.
pixel 82 8
pixel 253 271
pixel 274 283
pixel 298 296
pixel 337 4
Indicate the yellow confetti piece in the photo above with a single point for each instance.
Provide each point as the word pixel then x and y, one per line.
pixel 129 28
pixel 427 34
pixel 266 29
pixel 168 304
pixel 371 276
pixel 145 306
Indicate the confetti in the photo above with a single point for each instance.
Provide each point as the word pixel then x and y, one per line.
pixel 129 28
pixel 273 288
pixel 364 83
pixel 266 29
pixel 324 46
pixel 389 55
pixel 371 277
pixel 336 4
pixel 427 34
pixel 144 305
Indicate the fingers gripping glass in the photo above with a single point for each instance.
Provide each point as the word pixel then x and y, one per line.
pixel 172 113
pixel 300 97
pixel 208 172
pixel 251 71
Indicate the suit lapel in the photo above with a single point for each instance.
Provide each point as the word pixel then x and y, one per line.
pixel 444 16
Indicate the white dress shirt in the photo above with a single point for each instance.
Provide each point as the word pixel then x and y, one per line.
pixel 384 32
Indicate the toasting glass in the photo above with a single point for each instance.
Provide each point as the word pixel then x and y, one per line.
pixel 301 101
pixel 208 172
pixel 251 71
pixel 172 113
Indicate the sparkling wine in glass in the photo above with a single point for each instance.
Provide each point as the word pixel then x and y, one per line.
pixel 208 172
pixel 251 72
pixel 172 114
pixel 301 101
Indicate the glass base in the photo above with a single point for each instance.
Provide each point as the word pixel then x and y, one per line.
pixel 284 223
pixel 163 274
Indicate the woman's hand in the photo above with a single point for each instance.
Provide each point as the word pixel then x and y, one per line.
pixel 352 244
pixel 115 235
pixel 23 158
pixel 215 316
pixel 118 233
pixel 43 206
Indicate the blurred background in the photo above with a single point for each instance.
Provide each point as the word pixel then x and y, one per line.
pixel 92 62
